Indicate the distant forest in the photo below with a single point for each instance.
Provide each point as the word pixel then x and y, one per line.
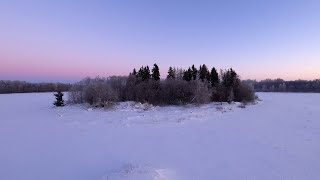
pixel 268 85
pixel 280 85
pixel 7 87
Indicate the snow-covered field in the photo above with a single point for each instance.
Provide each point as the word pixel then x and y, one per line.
pixel 277 139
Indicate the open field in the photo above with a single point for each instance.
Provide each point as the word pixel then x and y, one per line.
pixel 276 139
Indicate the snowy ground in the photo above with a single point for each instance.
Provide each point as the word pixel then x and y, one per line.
pixel 278 139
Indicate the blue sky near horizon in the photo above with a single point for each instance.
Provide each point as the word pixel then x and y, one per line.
pixel 68 40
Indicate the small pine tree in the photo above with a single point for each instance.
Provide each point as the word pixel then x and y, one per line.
pixel 155 73
pixel 171 73
pixel 59 99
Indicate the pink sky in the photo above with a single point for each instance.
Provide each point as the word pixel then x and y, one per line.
pixel 63 41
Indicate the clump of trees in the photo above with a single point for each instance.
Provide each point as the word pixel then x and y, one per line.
pixel 180 87
pixel 280 85
pixel 7 87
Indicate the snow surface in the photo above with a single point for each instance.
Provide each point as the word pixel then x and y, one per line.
pixel 276 139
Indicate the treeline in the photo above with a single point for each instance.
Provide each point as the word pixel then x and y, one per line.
pixel 7 87
pixel 180 86
pixel 279 85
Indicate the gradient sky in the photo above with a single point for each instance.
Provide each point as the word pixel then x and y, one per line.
pixel 66 40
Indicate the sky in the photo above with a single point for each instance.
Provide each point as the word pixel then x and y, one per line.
pixel 66 40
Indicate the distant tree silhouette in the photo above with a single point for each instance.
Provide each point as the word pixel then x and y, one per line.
pixel 144 73
pixel 231 82
pixel 147 74
pixel 204 73
pixel 134 72
pixel 214 77
pixel 7 87
pixel 280 85
pixel 155 73
pixel 187 75
pixel 194 72
pixel 171 73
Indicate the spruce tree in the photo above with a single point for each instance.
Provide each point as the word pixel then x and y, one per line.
pixel 194 72
pixel 171 73
pixel 155 73
pixel 208 76
pixel 231 81
pixel 134 72
pixel 214 77
pixel 204 73
pixel 146 74
pixel 187 75
pixel 140 73
pixel 59 99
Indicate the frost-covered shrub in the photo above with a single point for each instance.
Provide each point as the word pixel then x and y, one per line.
pixel 219 93
pixel 201 92
pixel 245 93
pixel 176 91
pixel 147 91
pixel 98 91
pixel 75 94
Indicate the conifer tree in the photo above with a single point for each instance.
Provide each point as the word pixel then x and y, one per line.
pixel 134 72
pixel 171 73
pixel 214 77
pixel 59 99
pixel 187 75
pixel 155 73
pixel 204 73
pixel 194 72
pixel 140 73
pixel 231 81
pixel 146 74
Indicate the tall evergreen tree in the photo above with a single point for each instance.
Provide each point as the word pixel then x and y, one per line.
pixel 171 73
pixel 59 99
pixel 231 81
pixel 146 74
pixel 140 74
pixel 155 73
pixel 214 77
pixel 187 75
pixel 208 76
pixel 134 72
pixel 204 73
pixel 194 72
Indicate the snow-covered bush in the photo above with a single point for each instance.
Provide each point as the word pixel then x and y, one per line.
pixel 245 93
pixel 98 91
pixel 176 91
pixel 201 92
